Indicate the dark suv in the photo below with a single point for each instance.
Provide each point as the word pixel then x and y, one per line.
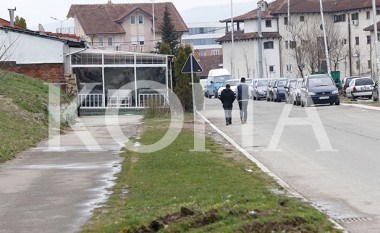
pixel 319 89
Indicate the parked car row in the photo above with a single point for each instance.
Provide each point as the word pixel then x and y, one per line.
pixel 313 89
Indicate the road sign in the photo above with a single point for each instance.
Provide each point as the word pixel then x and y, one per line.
pixel 191 61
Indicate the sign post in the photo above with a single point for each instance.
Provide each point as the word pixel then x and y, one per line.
pixel 192 66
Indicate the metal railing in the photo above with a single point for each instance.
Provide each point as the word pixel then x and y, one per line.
pixel 90 100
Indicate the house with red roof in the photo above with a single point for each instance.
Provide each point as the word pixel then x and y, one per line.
pixel 133 27
pixel 42 55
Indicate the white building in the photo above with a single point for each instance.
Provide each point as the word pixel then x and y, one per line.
pixel 351 48
pixel 243 56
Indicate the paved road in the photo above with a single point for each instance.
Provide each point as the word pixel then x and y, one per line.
pixel 50 191
pixel 345 182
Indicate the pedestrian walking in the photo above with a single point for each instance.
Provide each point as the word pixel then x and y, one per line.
pixel 227 97
pixel 243 97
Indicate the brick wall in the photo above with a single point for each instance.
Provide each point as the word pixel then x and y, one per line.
pixel 49 72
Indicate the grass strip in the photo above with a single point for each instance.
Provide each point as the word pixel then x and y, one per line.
pixel 23 113
pixel 175 190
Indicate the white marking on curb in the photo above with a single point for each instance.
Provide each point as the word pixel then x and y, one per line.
pixel 362 106
pixel 280 181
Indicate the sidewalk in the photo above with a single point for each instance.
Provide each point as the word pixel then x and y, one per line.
pixel 55 191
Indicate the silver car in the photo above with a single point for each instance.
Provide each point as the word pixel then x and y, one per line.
pixel 260 89
pixel 296 92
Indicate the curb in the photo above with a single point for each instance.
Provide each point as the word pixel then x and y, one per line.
pixel 362 106
pixel 266 170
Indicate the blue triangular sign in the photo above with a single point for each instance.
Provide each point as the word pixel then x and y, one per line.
pixel 187 67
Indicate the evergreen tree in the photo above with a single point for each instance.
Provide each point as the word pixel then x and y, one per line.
pixel 168 34
pixel 20 22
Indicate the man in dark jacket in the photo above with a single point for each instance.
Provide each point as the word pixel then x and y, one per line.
pixel 227 97
pixel 243 97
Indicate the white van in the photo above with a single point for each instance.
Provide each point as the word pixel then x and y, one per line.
pixel 215 79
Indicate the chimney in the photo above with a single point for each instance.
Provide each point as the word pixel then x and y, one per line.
pixel 12 17
pixel 109 1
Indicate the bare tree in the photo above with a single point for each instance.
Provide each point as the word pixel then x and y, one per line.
pixel 247 65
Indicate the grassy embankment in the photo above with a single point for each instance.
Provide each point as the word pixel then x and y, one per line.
pixel 175 190
pixel 23 113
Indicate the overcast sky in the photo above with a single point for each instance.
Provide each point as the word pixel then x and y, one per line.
pixel 40 11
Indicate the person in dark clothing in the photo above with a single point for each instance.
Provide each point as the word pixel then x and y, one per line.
pixel 243 97
pixel 227 97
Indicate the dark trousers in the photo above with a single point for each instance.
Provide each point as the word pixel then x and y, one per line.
pixel 243 105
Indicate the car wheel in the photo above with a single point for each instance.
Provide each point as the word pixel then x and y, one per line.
pixel 302 104
pixel 209 96
pixel 337 102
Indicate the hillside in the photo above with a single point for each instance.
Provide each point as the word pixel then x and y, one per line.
pixel 23 113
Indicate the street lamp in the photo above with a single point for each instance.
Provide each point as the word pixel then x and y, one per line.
pixel 60 20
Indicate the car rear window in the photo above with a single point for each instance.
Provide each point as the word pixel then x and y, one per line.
pixel 263 82
pixel 363 81
pixel 319 82
pixel 281 83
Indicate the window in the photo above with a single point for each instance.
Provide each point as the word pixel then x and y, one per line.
pixel 357 40
pixel 134 40
pixel 141 19
pixel 141 40
pixel 109 41
pixel 302 18
pixel 292 44
pixel 339 18
pixel 289 68
pixel 268 23
pixel 369 64
pixel 101 41
pixel 133 19
pixel 358 65
pixel 368 39
pixel 377 12
pixel 355 16
pixel 202 53
pixel 271 68
pixel 214 52
pixel 368 15
pixel 285 20
pixel 268 45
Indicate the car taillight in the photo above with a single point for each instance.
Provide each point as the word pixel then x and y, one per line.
pixel 354 89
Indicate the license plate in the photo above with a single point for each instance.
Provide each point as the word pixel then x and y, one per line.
pixel 324 97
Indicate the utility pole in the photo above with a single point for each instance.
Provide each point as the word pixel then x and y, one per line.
pixel 376 43
pixel 260 39
pixel 232 43
pixel 154 25
pixel 325 40
pixel 288 67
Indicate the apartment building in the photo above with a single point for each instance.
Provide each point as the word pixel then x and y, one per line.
pixel 301 46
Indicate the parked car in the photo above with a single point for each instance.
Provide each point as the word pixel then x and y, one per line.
pixel 296 92
pixel 319 89
pixel 270 90
pixel 346 82
pixel 375 92
pixel 279 89
pixel 215 79
pixel 260 89
pixel 360 87
pixel 233 85
pixel 289 88
pixel 203 83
